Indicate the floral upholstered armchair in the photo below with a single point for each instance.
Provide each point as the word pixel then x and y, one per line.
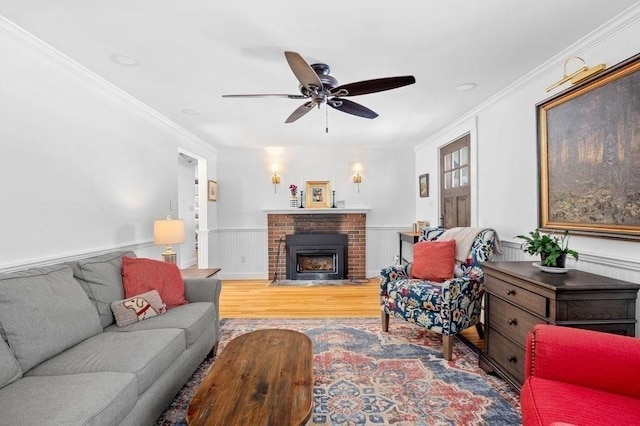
pixel 444 307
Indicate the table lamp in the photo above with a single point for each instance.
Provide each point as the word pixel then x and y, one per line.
pixel 168 231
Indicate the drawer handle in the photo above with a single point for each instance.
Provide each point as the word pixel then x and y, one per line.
pixel 511 292
pixel 512 359
pixel 512 321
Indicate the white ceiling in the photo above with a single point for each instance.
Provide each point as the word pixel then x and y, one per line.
pixel 189 53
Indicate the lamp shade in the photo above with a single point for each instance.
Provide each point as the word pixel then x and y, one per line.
pixel 168 231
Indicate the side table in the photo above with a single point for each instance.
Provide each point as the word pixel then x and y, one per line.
pixel 407 237
pixel 199 273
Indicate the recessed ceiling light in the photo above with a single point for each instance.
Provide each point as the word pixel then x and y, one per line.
pixel 189 111
pixel 127 61
pixel 466 86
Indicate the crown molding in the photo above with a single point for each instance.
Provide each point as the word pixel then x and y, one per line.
pixel 33 44
pixel 626 18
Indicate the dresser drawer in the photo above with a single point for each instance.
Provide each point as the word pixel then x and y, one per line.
pixel 516 295
pixel 511 320
pixel 507 354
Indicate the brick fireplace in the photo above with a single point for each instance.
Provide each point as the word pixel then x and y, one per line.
pixel 279 225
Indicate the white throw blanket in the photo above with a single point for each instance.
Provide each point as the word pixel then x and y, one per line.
pixel 464 237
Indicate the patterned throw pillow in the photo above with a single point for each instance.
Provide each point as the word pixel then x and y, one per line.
pixel 142 275
pixel 433 260
pixel 138 308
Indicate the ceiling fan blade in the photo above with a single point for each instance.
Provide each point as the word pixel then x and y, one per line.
pixel 300 111
pixel 267 95
pixel 352 108
pixel 303 71
pixel 372 86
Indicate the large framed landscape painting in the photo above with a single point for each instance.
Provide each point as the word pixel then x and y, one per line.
pixel 589 155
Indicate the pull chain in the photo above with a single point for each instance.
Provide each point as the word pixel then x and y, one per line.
pixel 326 117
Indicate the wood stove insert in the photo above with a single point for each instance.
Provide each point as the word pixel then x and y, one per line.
pixel 316 256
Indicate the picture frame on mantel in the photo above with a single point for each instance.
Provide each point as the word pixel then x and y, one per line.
pixel 212 190
pixel 588 156
pixel 423 185
pixel 318 195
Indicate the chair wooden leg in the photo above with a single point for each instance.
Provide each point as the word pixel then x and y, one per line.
pixel 480 330
pixel 385 321
pixel 447 347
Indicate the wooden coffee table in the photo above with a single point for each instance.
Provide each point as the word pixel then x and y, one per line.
pixel 261 378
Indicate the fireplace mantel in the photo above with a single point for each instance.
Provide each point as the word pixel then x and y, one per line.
pixel 317 211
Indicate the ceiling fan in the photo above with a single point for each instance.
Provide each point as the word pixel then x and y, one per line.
pixel 319 87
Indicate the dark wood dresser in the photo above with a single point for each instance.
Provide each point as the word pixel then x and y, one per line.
pixel 519 295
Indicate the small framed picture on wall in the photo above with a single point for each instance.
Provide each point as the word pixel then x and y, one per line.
pixel 423 185
pixel 212 190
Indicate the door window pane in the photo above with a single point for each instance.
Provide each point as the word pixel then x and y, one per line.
pixel 464 176
pixel 447 180
pixel 464 156
pixel 456 178
pixel 447 162
pixel 456 159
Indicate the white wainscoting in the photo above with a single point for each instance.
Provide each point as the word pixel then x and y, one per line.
pixel 142 249
pixel 241 253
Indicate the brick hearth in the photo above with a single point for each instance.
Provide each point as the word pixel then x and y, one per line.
pixel 352 224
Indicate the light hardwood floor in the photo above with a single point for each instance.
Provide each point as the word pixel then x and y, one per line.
pixel 259 299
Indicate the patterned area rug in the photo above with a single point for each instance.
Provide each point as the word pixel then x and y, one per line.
pixel 366 377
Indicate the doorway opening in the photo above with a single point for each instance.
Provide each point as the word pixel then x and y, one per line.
pixel 192 208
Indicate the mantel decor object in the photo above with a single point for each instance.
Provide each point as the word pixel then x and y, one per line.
pixel 318 194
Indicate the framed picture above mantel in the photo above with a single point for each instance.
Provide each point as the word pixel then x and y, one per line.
pixel 589 155
pixel 317 192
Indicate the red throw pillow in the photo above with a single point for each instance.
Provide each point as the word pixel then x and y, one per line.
pixel 433 260
pixel 143 275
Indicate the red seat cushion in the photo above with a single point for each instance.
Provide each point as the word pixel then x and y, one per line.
pixel 142 275
pixel 433 260
pixel 545 402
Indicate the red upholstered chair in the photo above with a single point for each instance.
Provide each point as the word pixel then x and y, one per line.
pixel 580 377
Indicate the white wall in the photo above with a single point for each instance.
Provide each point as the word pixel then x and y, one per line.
pixel 84 168
pixel 388 189
pixel 506 177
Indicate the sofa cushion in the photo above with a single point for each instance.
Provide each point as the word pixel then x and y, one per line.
pixel 433 260
pixel 101 278
pixel 193 318
pixel 76 399
pixel 137 308
pixel 9 367
pixel 547 401
pixel 146 353
pixel 142 275
pixel 44 311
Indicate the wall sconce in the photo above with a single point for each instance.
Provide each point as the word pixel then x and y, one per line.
pixel 275 179
pixel 579 75
pixel 357 178
pixel 168 231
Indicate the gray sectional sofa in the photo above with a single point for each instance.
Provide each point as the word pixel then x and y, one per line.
pixel 64 361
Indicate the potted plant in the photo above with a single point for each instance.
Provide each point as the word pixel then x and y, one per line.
pixel 553 250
